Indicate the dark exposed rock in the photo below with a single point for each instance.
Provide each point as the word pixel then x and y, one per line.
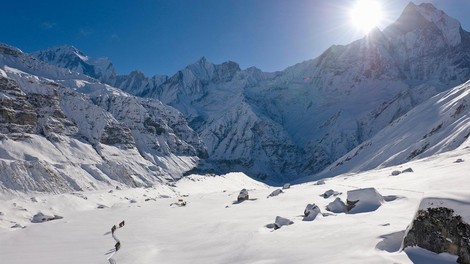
pixel 329 193
pixel 407 170
pixel 16 113
pixel 153 127
pixel 114 134
pixel 440 230
pixel 243 195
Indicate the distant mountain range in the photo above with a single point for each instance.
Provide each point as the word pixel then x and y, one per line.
pixel 382 100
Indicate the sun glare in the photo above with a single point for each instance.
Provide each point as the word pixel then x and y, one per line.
pixel 366 15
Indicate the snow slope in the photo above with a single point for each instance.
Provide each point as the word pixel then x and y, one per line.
pixel 213 228
pixel 438 125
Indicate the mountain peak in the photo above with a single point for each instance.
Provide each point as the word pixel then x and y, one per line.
pixel 67 56
pixel 449 27
pixel 5 48
pixel 64 50
pixel 416 17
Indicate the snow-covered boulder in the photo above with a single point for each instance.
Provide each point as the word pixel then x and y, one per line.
pixel 41 217
pixel 281 221
pixel 275 193
pixel 311 212
pixel 243 195
pixel 363 200
pixel 337 206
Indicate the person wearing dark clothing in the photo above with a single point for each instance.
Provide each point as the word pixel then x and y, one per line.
pixel 117 246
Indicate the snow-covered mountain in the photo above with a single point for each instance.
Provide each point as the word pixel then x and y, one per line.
pixel 71 58
pixel 62 130
pixel 296 122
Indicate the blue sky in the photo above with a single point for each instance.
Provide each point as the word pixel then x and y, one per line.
pixel 163 36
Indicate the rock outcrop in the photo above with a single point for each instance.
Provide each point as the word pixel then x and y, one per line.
pixel 440 230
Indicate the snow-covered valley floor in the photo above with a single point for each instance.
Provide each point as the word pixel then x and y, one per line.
pixel 211 228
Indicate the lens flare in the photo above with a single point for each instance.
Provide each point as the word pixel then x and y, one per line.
pixel 366 15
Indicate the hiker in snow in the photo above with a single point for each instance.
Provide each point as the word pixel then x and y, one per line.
pixel 117 246
pixel 113 229
pixel 121 224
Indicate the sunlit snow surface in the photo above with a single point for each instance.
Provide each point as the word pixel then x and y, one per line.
pixel 214 228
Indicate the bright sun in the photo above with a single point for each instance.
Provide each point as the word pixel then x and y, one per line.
pixel 366 14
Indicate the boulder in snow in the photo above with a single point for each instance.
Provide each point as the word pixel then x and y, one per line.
pixel 440 230
pixel 363 200
pixel 41 217
pixel 458 161
pixel 275 193
pixel 330 193
pixel 396 172
pixel 281 221
pixel 337 206
pixel 243 195
pixel 320 182
pixel 286 186
pixel 407 170
pixel 179 203
pixel 311 212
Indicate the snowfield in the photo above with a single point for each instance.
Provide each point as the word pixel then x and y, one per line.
pixel 213 228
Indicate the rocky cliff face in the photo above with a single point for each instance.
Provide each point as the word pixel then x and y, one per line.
pixel 62 131
pixel 296 122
